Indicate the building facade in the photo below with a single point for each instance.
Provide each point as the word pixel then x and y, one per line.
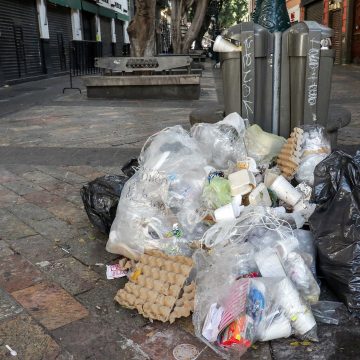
pixel 35 35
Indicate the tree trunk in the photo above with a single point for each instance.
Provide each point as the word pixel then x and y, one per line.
pixel 177 14
pixel 202 32
pixel 201 6
pixel 141 29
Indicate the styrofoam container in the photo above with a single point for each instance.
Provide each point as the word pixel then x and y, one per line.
pixel 285 191
pixel 224 213
pixel 242 182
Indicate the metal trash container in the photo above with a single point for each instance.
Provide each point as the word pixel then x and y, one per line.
pixel 248 75
pixel 306 68
pixel 231 74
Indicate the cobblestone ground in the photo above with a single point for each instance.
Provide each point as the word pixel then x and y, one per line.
pixel 55 301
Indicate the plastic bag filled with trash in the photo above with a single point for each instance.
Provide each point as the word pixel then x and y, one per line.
pixel 279 250
pixel 160 205
pixel 222 142
pixel 235 307
pixel 335 225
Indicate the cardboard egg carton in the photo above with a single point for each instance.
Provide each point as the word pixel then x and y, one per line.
pixel 288 159
pixel 155 285
pixel 184 306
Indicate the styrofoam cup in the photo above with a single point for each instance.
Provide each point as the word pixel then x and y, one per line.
pixel 222 45
pixel 224 213
pixel 285 191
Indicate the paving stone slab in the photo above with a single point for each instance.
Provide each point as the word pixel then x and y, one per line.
pixel 29 211
pixel 103 344
pixel 50 305
pixel 17 273
pixel 37 249
pixel 11 228
pixel 54 229
pixel 9 198
pixel 101 304
pixel 38 177
pixel 88 251
pixel 7 176
pixel 73 276
pixel 43 198
pixel 89 172
pixel 65 176
pixel 22 187
pixel 28 339
pixel 5 249
pixel 8 307
pixel 69 213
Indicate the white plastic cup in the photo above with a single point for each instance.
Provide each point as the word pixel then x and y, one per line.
pixel 224 213
pixel 222 45
pixel 285 191
pixel 269 263
pixel 304 322
pixel 279 328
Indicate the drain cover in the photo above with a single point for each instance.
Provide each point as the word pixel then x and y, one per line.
pixel 185 352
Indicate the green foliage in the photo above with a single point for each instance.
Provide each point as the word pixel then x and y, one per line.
pixel 232 12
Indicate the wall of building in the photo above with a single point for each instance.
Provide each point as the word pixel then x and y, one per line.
pixel 48 26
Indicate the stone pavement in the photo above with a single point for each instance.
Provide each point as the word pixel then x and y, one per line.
pixel 55 301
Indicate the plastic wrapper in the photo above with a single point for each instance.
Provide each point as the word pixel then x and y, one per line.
pixel 222 142
pixel 335 225
pixel 262 146
pixel 160 206
pixel 315 148
pixel 325 312
pixel 101 198
pixel 216 193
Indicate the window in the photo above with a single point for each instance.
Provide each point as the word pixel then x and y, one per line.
pixel 117 5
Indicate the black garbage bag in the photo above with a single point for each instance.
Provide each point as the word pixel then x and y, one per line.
pixel 336 225
pixel 130 167
pixel 101 198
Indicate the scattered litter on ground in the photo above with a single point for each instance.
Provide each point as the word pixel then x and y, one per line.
pixel 185 352
pixel 12 352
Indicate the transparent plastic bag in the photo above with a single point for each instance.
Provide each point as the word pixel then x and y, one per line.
pixel 160 205
pixel 315 148
pixel 262 146
pixel 325 312
pixel 177 156
pixel 222 142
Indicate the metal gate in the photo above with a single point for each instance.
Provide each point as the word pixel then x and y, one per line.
pixel 59 20
pixel 335 23
pixel 314 11
pixel 19 40
pixel 106 38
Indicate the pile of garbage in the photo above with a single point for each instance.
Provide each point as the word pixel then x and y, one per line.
pixel 213 221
